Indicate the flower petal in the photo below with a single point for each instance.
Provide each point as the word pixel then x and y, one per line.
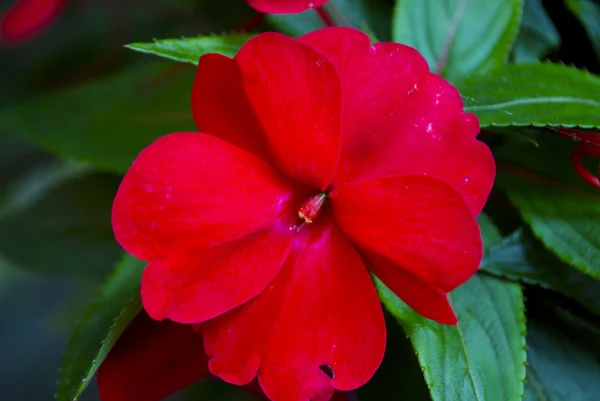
pixel 321 310
pixel 151 361
pixel 220 106
pixel 284 6
pixel 423 298
pixel 27 18
pixel 201 285
pixel 296 94
pixel 402 120
pixel 190 190
pixel 419 223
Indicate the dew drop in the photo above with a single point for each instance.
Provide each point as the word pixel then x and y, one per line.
pixel 466 179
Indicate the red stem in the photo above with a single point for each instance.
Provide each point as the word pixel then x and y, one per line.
pixel 577 154
pixel 252 23
pixel 325 16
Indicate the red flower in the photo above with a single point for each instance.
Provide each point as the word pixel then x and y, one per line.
pixel 590 147
pixel 319 157
pixel 153 360
pixel 284 6
pixel 27 18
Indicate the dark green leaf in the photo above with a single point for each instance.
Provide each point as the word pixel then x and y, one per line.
pixel 108 122
pixel 458 37
pixel 588 13
pixel 399 377
pixel 520 257
pixel 368 15
pixel 57 220
pixel 566 221
pixel 537 36
pixel 563 364
pixel 539 95
pixel 115 306
pixel 482 358
pixel 544 156
pixel 189 50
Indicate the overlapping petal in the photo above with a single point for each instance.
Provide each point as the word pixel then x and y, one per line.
pixel 284 6
pixel 27 18
pixel 402 119
pixel 422 297
pixel 151 361
pixel 321 311
pixel 191 190
pixel 211 281
pixel 419 223
pixel 220 106
pixel 296 94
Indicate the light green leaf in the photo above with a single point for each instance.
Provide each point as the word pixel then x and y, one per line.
pixel 539 95
pixel 537 36
pixel 115 306
pixel 563 358
pixel 458 37
pixel 588 13
pixel 189 50
pixel 483 357
pixel 520 257
pixel 566 221
pixel 489 232
pixel 108 122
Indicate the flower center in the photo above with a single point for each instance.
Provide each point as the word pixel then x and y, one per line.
pixel 309 210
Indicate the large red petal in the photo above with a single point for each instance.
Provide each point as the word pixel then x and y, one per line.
pixel 296 94
pixel 201 285
pixel 322 309
pixel 151 361
pixel 284 6
pixel 419 223
pixel 403 119
pixel 27 18
pixel 190 190
pixel 220 106
pixel 422 297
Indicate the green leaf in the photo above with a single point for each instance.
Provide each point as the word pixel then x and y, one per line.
pixel 489 232
pixel 482 358
pixel 189 50
pixel 520 257
pixel 540 94
pixel 458 37
pixel 588 13
pixel 115 306
pixel 108 122
pixel 566 221
pixel 57 220
pixel 563 358
pixel 537 36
